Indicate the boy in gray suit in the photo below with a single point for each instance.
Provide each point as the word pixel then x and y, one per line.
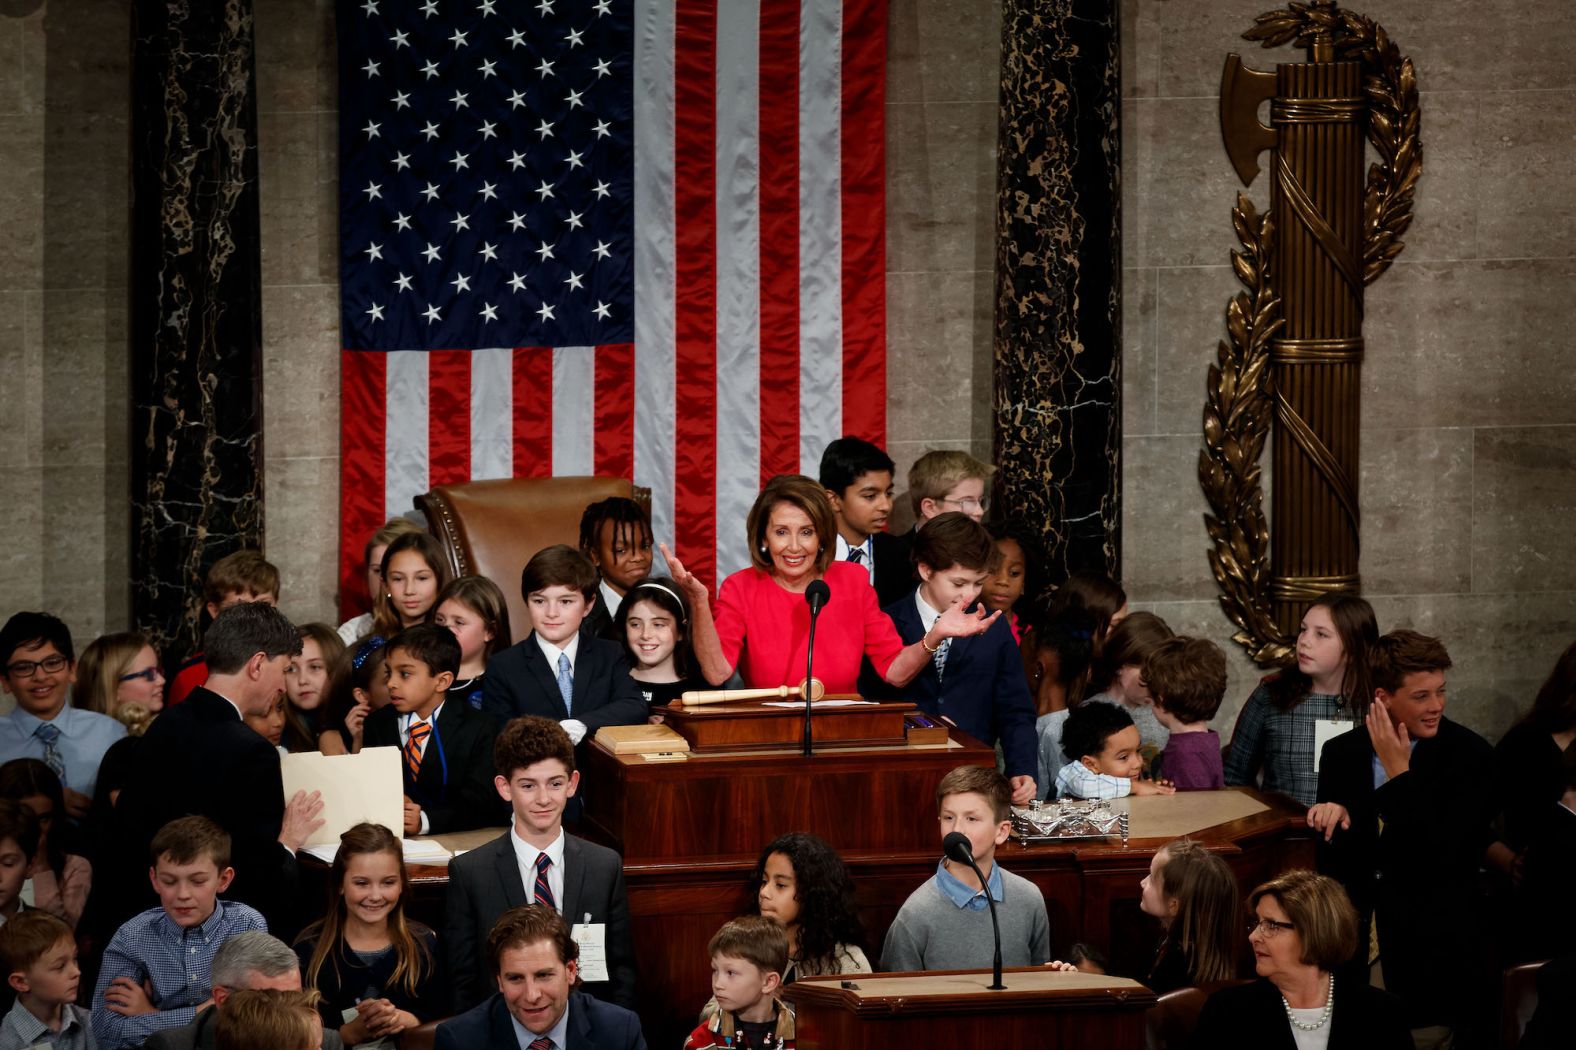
pixel 537 862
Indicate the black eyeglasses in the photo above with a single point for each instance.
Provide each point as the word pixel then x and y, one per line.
pixel 147 674
pixel 1271 927
pixel 28 668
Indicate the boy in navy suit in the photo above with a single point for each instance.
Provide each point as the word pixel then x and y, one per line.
pixel 976 682
pixel 558 671
pixel 446 749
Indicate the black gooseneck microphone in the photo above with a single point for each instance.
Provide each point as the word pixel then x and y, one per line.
pixel 956 846
pixel 817 595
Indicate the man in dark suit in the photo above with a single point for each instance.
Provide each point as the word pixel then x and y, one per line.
pixel 537 862
pixel 1404 806
pixel 560 671
pixel 452 788
pixel 535 966
pixel 977 682
pixel 857 477
pixel 200 758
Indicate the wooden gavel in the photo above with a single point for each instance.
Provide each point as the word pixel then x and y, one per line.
pixel 696 697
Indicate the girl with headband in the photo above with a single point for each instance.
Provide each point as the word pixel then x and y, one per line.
pixel 653 623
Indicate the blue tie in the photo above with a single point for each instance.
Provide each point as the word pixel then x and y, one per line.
pixel 49 733
pixel 566 683
pixel 940 658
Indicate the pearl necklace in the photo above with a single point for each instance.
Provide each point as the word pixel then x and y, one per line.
pixel 1324 1018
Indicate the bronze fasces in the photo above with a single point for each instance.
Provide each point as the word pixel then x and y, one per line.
pixel 1294 349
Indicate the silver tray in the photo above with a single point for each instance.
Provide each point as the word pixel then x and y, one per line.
pixel 1068 820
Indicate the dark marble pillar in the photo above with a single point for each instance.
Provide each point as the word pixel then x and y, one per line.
pixel 1058 425
pixel 197 449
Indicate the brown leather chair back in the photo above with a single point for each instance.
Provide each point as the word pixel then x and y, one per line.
pixel 1518 999
pixel 422 1037
pixel 492 528
pixel 1174 1016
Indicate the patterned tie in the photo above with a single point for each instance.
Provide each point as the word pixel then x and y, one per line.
pixel 418 736
pixel 541 1042
pixel 49 733
pixel 940 658
pixel 566 683
pixel 856 554
pixel 544 892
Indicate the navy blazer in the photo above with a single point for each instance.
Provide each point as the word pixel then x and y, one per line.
pixel 983 690
pixel 455 786
pixel 520 682
pixel 593 1025
pixel 1420 872
pixel 485 882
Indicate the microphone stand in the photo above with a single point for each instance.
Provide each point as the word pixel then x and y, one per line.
pixel 966 854
pixel 809 679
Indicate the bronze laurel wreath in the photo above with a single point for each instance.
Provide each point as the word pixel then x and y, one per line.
pixel 1239 405
pixel 1237 415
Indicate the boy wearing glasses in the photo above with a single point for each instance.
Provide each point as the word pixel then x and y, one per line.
pixel 946 479
pixel 39 666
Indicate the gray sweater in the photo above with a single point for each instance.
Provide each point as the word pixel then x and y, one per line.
pixel 932 933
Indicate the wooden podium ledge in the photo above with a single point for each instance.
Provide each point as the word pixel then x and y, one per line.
pixel 968 991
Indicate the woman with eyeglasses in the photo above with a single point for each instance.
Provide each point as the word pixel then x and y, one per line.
pixel 1303 928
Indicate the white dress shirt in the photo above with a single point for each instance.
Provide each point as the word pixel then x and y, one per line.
pixel 571 649
pixel 609 598
pixel 525 855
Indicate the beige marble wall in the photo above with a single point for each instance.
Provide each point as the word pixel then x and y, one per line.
pixel 1469 407
pixel 64 245
pixel 942 79
pixel 298 182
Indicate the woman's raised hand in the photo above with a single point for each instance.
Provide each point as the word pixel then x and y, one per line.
pixel 955 623
pixel 691 583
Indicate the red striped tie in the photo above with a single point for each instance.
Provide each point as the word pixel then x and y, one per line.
pixel 541 1042
pixel 417 737
pixel 544 892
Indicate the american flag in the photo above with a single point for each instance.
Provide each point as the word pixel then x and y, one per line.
pixel 637 238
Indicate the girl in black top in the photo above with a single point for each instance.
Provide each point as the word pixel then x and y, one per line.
pixel 1194 895
pixel 364 955
pixel 653 624
pixel 475 610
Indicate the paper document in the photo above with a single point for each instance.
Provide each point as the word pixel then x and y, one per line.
pixel 356 788
pixel 817 703
pixel 417 851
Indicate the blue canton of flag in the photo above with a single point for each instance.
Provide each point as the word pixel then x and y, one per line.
pixel 486 167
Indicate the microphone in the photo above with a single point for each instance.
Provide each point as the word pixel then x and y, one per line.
pixel 816 595
pixel 956 846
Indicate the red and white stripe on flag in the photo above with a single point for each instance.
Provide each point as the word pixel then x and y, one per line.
pixel 760 303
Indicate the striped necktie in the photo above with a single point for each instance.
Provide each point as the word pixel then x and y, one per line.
pixel 940 658
pixel 419 731
pixel 544 891
pixel 856 555
pixel 541 1042
pixel 49 734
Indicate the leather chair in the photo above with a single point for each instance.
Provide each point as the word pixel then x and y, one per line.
pixel 492 528
pixel 422 1037
pixel 1174 1016
pixel 1518 998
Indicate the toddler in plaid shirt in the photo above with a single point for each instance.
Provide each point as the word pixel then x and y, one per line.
pixel 1103 743
pixel 156 969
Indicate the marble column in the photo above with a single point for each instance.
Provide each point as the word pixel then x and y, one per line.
pixel 196 319
pixel 1058 422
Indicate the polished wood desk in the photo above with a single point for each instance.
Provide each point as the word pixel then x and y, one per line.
pixel 690 832
pixel 957 1010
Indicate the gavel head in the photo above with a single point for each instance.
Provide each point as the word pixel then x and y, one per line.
pixel 817 689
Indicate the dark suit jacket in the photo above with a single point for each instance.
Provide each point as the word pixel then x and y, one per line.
pixel 199 1035
pixel 593 1025
pixel 520 682
pixel 1546 923
pixel 200 758
pixel 894 568
pixel 486 882
pixel 1420 876
pixel 1552 1022
pixel 1252 1017
pixel 983 689
pixel 455 787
